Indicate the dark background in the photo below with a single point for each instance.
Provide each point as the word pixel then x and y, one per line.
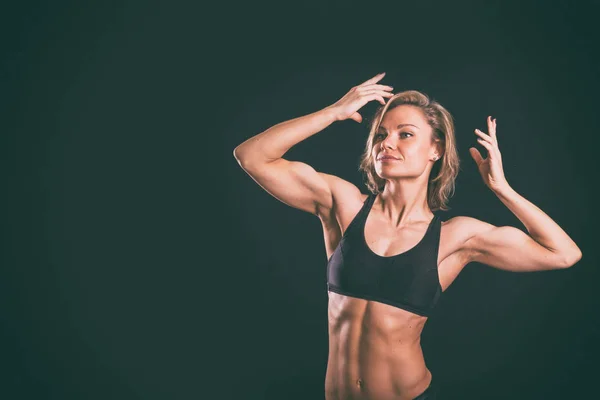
pixel 139 261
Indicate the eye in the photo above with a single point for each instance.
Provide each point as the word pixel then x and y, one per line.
pixel 405 133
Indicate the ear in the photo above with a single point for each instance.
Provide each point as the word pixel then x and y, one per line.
pixel 437 153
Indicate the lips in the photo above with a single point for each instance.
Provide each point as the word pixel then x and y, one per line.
pixel 387 157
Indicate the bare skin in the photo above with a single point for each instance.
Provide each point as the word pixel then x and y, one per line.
pixel 374 348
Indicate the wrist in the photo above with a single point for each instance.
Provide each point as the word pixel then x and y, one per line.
pixel 331 113
pixel 504 190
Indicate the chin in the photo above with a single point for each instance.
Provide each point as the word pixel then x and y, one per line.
pixel 389 176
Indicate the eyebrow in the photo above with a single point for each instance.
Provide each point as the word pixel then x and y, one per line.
pixel 399 126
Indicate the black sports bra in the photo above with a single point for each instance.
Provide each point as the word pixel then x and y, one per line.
pixel 407 280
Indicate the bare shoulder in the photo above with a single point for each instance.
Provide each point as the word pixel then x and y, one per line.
pixel 456 232
pixel 454 253
pixel 346 201
pixel 343 192
pixel 465 227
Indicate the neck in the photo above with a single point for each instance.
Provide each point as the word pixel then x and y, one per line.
pixel 404 202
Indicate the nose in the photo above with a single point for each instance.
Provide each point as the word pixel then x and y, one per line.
pixel 388 142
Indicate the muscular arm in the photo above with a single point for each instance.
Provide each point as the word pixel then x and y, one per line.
pixel 547 246
pixel 295 183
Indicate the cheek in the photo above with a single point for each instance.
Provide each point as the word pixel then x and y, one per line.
pixel 416 150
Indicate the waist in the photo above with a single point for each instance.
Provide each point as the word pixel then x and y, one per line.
pixel 398 352
pixel 371 375
pixel 374 349
pixel 368 352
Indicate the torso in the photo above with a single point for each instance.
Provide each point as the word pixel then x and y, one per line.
pixel 374 348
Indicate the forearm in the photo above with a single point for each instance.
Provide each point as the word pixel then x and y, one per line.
pixel 539 225
pixel 277 140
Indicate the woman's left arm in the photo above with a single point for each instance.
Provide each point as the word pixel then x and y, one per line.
pixel 546 247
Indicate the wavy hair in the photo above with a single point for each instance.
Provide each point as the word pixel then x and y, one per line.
pixel 441 182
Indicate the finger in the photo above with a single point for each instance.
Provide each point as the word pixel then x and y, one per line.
pixel 490 140
pixel 379 92
pixel 365 99
pixel 374 79
pixel 376 86
pixel 487 145
pixel 357 117
pixel 484 136
pixel 476 155
pixel 375 96
pixel 492 127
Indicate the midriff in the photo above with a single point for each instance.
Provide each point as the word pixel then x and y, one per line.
pixel 374 351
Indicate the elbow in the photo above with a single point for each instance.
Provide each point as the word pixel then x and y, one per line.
pixel 571 259
pixel 246 158
pixel 239 157
pixel 237 154
pixel 249 159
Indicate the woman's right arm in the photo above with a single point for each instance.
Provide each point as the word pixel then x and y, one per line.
pixel 295 183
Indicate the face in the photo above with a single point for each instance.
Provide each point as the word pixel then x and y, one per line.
pixel 404 135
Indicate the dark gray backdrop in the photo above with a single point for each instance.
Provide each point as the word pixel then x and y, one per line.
pixel 140 262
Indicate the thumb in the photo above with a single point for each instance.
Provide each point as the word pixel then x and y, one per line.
pixel 476 155
pixel 357 117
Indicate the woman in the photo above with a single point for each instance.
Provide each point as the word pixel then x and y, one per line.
pixel 390 256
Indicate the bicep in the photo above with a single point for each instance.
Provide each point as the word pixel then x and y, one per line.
pixel 296 184
pixel 508 248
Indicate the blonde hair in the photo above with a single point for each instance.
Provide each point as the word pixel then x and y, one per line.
pixel 443 174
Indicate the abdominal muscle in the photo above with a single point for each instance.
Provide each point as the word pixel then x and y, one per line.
pixel 374 351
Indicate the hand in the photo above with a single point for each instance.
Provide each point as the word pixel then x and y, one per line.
pixel 491 167
pixel 358 96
